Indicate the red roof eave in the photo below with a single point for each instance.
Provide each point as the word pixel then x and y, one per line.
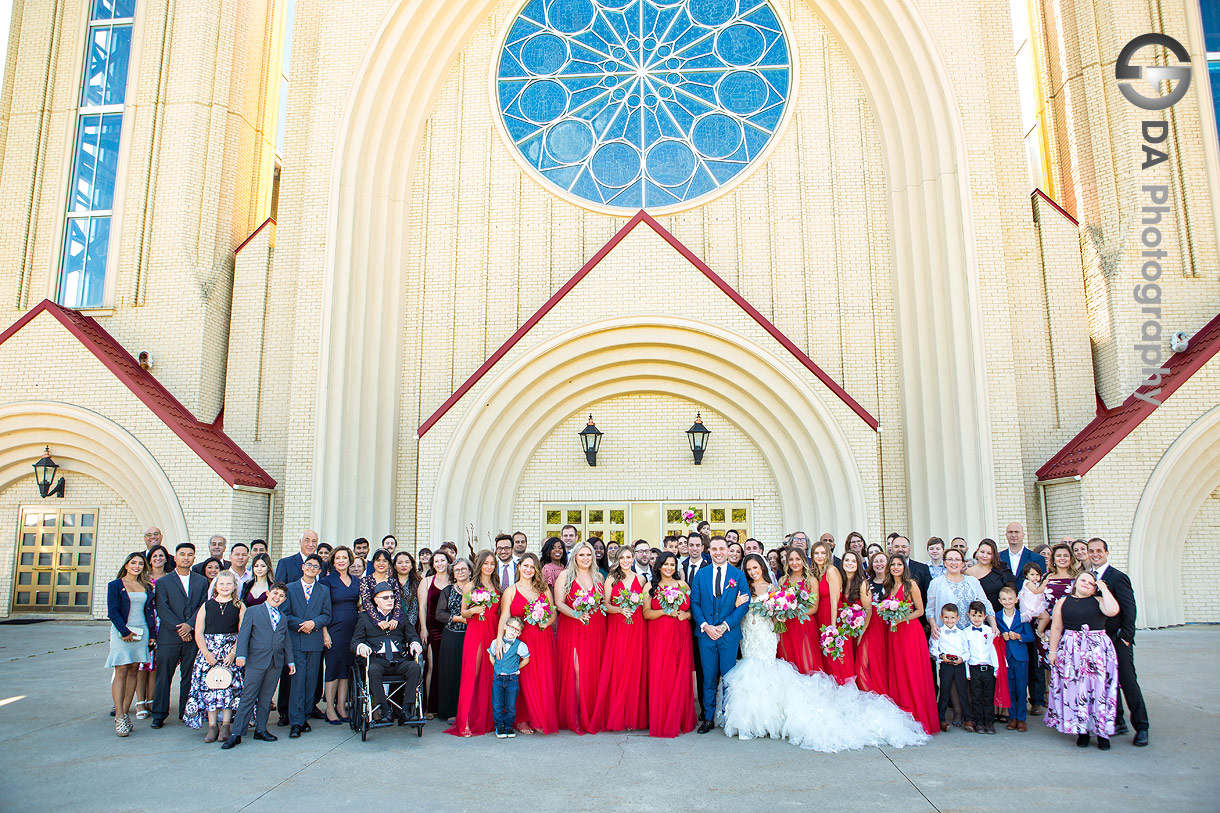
pixel 1111 426
pixel 643 217
pixel 208 441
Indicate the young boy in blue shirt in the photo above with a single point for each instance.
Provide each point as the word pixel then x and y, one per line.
pixel 506 674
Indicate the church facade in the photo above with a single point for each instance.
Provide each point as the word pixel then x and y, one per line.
pixel 371 268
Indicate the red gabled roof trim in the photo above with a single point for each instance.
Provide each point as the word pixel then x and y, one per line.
pixel 253 234
pixel 1111 426
pixel 643 217
pixel 1038 193
pixel 208 441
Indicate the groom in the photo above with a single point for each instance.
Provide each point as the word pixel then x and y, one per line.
pixel 717 621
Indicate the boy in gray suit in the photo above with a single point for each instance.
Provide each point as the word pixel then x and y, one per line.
pixel 262 650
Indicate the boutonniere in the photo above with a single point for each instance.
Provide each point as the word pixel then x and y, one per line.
pixel 731 583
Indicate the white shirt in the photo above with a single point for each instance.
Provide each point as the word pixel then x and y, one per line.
pixel 1014 559
pixel 186 582
pixel 1100 570
pixel 718 580
pixel 982 652
pixel 242 578
pixel 506 572
pixel 952 641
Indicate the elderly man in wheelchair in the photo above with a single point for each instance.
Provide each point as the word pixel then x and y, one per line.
pixel 390 649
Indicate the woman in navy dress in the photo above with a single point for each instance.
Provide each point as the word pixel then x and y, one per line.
pixel 337 635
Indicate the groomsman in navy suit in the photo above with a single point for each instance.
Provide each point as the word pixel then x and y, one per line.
pixel 718 613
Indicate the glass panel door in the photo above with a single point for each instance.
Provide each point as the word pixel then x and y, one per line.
pixel 55 557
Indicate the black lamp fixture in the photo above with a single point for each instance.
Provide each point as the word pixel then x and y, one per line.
pixel 591 441
pixel 698 436
pixel 45 470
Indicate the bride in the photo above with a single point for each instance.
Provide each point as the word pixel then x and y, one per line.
pixel 766 697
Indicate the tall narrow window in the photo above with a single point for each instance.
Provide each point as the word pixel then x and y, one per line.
pixel 1211 33
pixel 82 273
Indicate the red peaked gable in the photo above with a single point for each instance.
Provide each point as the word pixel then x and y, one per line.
pixel 208 441
pixel 643 217
pixel 1110 426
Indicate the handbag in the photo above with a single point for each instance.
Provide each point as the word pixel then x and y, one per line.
pixel 218 677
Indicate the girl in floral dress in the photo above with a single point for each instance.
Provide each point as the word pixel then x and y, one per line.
pixel 1084 666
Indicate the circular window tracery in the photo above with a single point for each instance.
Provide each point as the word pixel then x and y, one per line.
pixel 630 104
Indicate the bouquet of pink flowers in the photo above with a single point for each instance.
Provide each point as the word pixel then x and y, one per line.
pixel 587 602
pixel 893 611
pixel 671 596
pixel 628 601
pixel 688 516
pixel 784 605
pixel 539 612
pixel 851 620
pixel 833 642
pixel 480 598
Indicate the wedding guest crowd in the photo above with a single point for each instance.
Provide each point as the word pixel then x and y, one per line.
pixel 592 637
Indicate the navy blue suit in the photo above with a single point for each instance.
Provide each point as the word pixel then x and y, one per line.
pixel 718 656
pixel 306 647
pixel 1018 661
pixel 1028 557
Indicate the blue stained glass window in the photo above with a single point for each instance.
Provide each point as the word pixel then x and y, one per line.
pixel 635 104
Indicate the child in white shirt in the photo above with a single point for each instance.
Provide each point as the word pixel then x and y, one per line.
pixel 983 663
pixel 951 650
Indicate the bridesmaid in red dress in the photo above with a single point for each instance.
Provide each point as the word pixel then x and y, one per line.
pixel 855 593
pixel 798 643
pixel 473 717
pixel 536 711
pixel 871 673
pixel 830 596
pixel 909 668
pixel 671 659
pixel 622 697
pixel 582 637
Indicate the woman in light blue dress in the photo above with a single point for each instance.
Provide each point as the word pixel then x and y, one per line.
pixel 129 607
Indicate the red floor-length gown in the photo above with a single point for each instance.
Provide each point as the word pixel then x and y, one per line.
pixel 474 717
pixel 844 670
pixel 1001 674
pixel 909 672
pixel 580 661
pixel 871 673
pixel 622 696
pixel 799 643
pixel 536 699
pixel 671 660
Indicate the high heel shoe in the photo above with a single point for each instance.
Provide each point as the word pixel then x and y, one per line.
pixel 122 725
pixel 143 714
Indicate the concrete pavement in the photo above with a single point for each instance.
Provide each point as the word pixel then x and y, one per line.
pixel 58 751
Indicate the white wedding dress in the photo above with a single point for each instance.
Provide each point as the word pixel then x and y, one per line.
pixel 767 697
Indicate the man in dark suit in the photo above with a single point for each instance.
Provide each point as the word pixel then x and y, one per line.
pixel 389 651
pixel 506 566
pixel 1121 629
pixel 216 550
pixel 1018 556
pixel 918 570
pixel 696 558
pixel 829 539
pixel 308 611
pixel 287 571
pixel 262 650
pixel 178 597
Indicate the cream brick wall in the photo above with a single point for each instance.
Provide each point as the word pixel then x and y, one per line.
pixel 1202 603
pixel 645 457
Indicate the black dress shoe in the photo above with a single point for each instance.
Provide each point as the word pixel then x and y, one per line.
pixel 1103 744
pixel 1082 740
pixel 317 715
pixel 1120 729
pixel 706 726
pixel 283 721
pixel 265 736
pixel 157 723
pixel 305 728
pixel 230 742
pixel 1141 739
pixel 296 732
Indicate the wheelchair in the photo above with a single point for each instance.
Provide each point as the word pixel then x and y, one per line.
pixel 408 711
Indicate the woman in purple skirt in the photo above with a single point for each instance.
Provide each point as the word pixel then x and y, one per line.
pixel 1084 667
